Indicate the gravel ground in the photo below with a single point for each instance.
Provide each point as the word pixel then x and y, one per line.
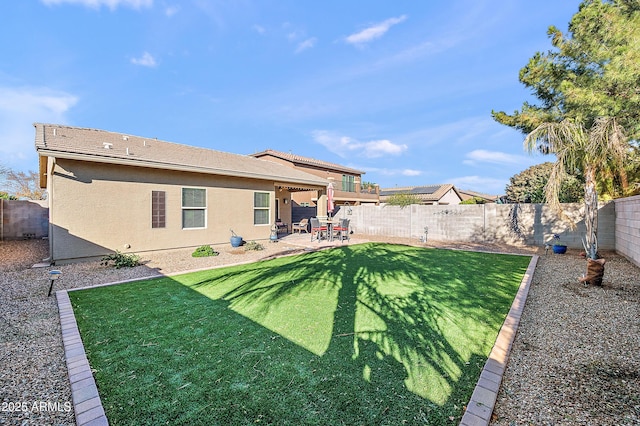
pixel 575 360
pixel 576 357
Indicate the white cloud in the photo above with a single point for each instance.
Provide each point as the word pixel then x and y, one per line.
pixel 294 35
pixel 97 4
pixel 19 109
pixel 411 172
pixel 344 145
pixel 171 10
pixel 494 157
pixel 373 32
pixel 307 44
pixel 390 172
pixel 259 29
pixel 146 60
pixel 381 147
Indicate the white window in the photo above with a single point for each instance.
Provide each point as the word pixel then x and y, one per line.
pixel 261 211
pixel 194 208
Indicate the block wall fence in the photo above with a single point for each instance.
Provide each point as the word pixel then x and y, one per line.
pixel 530 224
pixel 628 227
pixel 22 219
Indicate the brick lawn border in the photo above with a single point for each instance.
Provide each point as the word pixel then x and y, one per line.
pixel 88 406
pixel 84 392
pixel 483 400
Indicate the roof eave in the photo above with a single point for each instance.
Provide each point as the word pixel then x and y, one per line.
pixel 170 166
pixel 299 160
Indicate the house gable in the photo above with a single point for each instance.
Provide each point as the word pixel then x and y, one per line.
pixel 428 194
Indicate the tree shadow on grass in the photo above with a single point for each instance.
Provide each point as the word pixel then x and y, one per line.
pixel 373 334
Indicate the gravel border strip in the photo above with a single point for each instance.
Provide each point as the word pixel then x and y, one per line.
pixel 484 397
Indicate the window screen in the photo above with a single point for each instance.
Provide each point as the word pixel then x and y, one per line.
pixel 158 209
pixel 194 203
pixel 261 211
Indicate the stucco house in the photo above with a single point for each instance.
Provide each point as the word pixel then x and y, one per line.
pixel 428 194
pixel 111 191
pixel 347 182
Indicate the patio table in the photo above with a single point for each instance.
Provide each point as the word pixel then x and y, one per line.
pixel 329 223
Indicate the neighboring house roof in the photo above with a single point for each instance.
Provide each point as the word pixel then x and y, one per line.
pixel 78 143
pixel 298 159
pixel 425 193
pixel 467 194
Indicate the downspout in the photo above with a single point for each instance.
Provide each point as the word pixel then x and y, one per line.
pixel 50 203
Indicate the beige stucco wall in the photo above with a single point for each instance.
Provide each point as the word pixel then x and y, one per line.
pixel 283 198
pixel 450 198
pixel 98 208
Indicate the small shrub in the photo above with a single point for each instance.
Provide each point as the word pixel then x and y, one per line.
pixel 252 245
pixel 121 260
pixel 204 251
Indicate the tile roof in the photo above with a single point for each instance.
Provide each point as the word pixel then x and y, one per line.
pixel 118 148
pixel 467 193
pixel 298 159
pixel 425 193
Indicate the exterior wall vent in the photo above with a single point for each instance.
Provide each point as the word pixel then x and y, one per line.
pixel 125 137
pixel 107 145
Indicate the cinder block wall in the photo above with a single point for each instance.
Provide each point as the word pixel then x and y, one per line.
pixel 627 227
pixel 530 224
pixel 20 219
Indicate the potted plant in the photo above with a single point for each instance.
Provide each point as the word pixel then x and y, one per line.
pixel 236 240
pixel 558 247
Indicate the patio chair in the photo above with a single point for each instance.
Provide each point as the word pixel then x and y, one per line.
pixel 301 226
pixel 317 229
pixel 341 230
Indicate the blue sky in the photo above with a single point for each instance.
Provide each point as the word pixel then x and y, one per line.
pixel 402 90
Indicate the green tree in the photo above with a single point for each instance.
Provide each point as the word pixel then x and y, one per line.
pixel 5 196
pixel 474 200
pixel 529 185
pixel 403 199
pixel 589 102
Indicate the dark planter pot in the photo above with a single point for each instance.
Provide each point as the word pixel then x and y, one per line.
pixel 560 249
pixel 236 241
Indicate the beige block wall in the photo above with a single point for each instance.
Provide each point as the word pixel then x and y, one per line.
pixel 628 228
pixel 98 208
pixel 482 223
pixel 23 219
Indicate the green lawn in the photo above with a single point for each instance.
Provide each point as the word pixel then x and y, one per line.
pixel 358 335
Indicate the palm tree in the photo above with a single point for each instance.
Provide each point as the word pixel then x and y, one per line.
pixel 599 149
